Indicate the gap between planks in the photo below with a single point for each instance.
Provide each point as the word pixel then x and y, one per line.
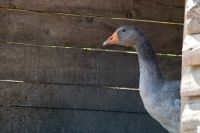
pixel 109 87
pixel 91 16
pixel 87 49
pixel 108 111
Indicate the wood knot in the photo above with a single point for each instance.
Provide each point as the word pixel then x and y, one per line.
pixel 89 19
pixel 46 33
pixel 129 15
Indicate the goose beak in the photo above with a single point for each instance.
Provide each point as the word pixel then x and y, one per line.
pixel 112 40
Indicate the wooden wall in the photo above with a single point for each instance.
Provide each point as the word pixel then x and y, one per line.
pixel 56 76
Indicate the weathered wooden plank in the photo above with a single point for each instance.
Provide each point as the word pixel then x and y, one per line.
pixel 67 66
pixel 62 30
pixel 70 97
pixel 190 86
pixel 34 120
pixel 191 50
pixel 168 10
pixel 192 58
pixel 76 66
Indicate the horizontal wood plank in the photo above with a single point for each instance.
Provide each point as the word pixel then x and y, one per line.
pixel 191 50
pixel 77 66
pixel 191 58
pixel 33 120
pixel 61 30
pixel 190 86
pixel 70 97
pixel 168 10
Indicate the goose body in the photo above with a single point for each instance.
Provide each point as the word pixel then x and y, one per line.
pixel 160 96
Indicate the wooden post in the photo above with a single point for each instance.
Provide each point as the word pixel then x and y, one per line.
pixel 198 129
pixel 190 86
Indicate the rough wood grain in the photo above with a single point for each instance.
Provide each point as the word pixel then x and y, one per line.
pixel 76 66
pixel 41 120
pixel 191 115
pixel 61 30
pixel 190 85
pixel 192 58
pixel 168 10
pixel 192 18
pixel 191 50
pixel 70 97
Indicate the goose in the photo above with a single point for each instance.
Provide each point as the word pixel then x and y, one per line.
pixel 161 97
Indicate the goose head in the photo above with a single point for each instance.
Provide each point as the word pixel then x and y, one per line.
pixel 127 36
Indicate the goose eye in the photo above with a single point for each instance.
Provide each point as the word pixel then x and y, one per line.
pixel 123 30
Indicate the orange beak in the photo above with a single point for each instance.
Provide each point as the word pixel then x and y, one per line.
pixel 112 40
